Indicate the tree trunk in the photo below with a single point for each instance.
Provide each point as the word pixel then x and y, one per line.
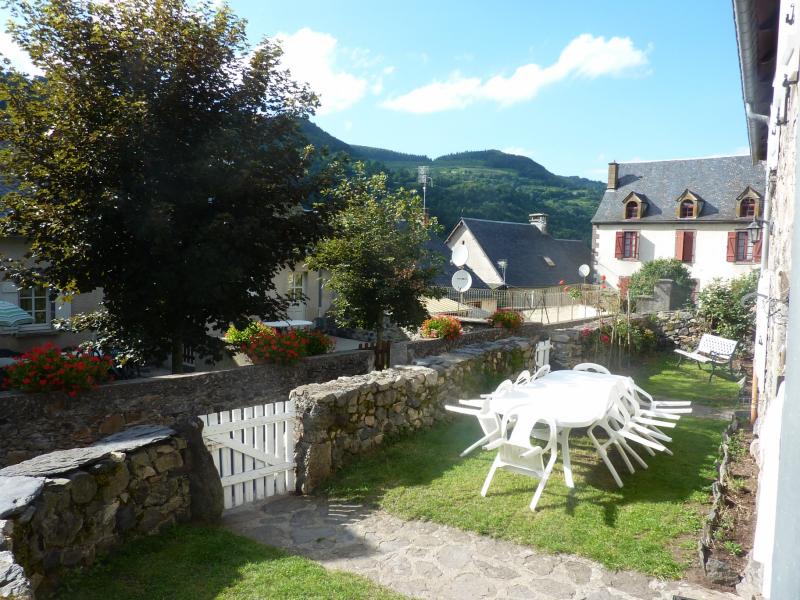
pixel 177 354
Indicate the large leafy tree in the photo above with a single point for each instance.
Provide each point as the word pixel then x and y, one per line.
pixel 159 159
pixel 378 257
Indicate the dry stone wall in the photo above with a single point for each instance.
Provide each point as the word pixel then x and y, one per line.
pixel 65 509
pixel 350 415
pixel 33 424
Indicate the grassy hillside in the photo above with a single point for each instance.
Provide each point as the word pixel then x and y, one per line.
pixel 486 184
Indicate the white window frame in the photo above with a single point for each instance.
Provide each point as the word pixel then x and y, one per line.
pixel 30 294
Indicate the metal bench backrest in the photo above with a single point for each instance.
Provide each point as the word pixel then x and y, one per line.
pixel 719 346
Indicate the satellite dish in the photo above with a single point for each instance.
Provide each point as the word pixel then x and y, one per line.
pixel 460 256
pixel 584 270
pixel 461 281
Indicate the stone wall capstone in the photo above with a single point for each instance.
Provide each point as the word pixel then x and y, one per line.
pixel 63 510
pixel 345 417
pixel 430 347
pixel 33 424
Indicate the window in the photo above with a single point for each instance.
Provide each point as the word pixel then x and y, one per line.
pixel 627 245
pixel 684 246
pixel 296 289
pixel 744 250
pixel 632 210
pixel 687 209
pixel 549 261
pixel 39 302
pixel 747 208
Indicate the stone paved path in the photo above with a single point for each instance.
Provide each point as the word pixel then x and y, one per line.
pixel 427 560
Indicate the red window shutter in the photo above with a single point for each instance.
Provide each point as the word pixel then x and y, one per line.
pixel 688 246
pixel 619 244
pixel 757 251
pixel 635 244
pixel 679 244
pixel 731 246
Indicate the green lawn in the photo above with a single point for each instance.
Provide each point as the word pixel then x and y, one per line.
pixel 660 375
pixel 650 525
pixel 205 563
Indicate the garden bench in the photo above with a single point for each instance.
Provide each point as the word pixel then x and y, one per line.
pixel 711 349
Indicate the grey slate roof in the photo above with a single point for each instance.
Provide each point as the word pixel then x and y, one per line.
pixel 524 246
pixel 717 181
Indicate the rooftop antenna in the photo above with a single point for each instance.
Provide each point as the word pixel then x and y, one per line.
pixel 424 179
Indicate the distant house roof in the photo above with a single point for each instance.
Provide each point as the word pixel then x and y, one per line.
pixel 718 182
pixel 529 252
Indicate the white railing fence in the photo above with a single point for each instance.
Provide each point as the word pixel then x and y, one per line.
pixel 253 450
pixel 546 305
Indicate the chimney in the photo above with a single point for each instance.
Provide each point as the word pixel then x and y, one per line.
pixel 539 220
pixel 613 175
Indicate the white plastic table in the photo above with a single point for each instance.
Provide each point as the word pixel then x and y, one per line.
pixel 289 324
pixel 571 398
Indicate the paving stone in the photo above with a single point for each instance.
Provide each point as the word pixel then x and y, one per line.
pixel 432 561
pixel 495 571
pixel 554 588
pixel 454 557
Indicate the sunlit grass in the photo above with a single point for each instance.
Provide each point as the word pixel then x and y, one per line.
pixel 650 525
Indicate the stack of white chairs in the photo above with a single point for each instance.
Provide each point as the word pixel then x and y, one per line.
pixel 515 452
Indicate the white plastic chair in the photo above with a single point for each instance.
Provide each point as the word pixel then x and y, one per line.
pixel 621 426
pixel 672 407
pixel 523 378
pixel 591 367
pixel 541 372
pixel 517 454
pixel 489 422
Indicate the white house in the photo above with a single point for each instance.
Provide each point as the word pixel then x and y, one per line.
pixel 695 210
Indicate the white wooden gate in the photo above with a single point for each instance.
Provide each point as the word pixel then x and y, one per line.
pixel 253 450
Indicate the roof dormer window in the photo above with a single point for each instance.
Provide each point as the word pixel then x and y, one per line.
pixel 748 204
pixel 633 206
pixel 689 206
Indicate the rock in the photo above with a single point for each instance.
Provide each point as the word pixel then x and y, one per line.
pixel 83 487
pixel 114 480
pixel 13 583
pixel 317 467
pixel 17 492
pixel 721 573
pixel 167 462
pixel 205 487
pixel 64 461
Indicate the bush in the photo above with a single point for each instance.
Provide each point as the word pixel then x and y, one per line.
pixel 643 280
pixel 507 319
pixel 441 326
pixel 318 343
pixel 642 338
pixel 46 368
pixel 237 337
pixel 720 306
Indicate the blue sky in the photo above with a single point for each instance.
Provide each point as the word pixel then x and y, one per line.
pixel 572 85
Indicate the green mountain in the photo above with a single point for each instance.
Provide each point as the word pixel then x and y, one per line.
pixel 486 184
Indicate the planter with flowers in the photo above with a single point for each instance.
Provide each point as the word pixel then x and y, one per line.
pixel 441 326
pixel 46 368
pixel 507 319
pixel 263 344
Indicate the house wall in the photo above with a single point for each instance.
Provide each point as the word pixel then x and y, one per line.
pixel 658 241
pixel 27 336
pixel 478 262
pixel 774 560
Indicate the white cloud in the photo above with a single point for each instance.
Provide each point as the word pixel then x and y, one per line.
pixel 311 57
pixel 586 56
pixel 18 57
pixel 388 70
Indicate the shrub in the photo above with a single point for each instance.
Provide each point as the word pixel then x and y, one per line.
pixel 642 338
pixel 46 368
pixel 237 337
pixel 507 319
pixel 720 304
pixel 441 326
pixel 643 280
